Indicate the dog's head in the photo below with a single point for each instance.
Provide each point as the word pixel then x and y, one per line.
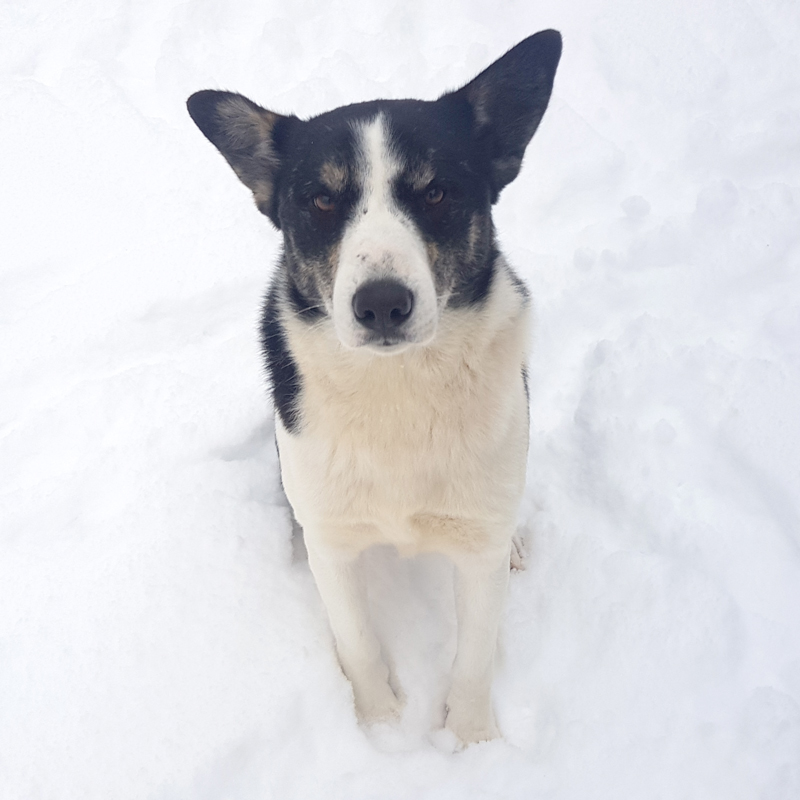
pixel 385 207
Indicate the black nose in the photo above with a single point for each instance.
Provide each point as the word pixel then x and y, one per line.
pixel 382 305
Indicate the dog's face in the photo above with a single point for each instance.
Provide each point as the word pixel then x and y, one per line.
pixel 385 207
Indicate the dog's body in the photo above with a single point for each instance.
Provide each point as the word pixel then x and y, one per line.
pixel 395 337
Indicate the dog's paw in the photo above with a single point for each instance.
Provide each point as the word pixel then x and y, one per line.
pixel 517 552
pixel 376 703
pixel 471 724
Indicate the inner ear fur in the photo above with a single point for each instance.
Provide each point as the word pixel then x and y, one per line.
pixel 508 100
pixel 245 134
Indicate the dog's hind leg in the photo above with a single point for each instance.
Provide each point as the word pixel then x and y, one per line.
pixel 481 584
pixel 335 572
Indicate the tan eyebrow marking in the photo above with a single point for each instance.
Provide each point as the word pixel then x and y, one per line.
pixel 419 175
pixel 333 176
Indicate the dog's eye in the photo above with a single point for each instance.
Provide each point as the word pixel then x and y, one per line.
pixel 434 195
pixel 324 202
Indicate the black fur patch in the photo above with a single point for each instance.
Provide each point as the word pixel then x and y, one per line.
pixel 475 287
pixel 285 380
pixel 472 286
pixel 519 284
pixel 309 309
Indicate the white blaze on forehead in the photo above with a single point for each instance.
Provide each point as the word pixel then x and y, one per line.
pixel 379 165
pixel 381 242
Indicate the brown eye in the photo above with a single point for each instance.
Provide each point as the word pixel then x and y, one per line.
pixel 324 202
pixel 434 195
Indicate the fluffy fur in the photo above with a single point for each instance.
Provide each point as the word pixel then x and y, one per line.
pixel 395 337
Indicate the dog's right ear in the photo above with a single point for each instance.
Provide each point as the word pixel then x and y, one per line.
pixel 248 136
pixel 507 102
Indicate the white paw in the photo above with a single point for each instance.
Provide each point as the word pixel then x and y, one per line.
pixel 471 722
pixel 376 702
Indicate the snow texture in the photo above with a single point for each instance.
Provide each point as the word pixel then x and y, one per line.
pixel 159 635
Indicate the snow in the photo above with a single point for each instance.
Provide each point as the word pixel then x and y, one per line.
pixel 159 636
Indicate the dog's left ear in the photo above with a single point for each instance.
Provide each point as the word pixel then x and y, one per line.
pixel 248 136
pixel 508 100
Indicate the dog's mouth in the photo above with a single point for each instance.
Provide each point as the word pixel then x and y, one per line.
pixel 387 345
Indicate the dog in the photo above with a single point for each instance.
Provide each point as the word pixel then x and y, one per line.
pixel 395 337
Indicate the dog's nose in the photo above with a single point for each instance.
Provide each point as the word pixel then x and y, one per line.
pixel 382 305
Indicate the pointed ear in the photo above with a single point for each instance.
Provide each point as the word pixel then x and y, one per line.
pixel 508 100
pixel 248 136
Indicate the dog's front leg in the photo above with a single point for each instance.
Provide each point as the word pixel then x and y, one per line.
pixel 481 585
pixel 358 648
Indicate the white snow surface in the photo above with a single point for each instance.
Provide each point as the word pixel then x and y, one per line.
pixel 159 637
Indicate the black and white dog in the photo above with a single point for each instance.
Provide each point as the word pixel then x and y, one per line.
pixel 395 336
